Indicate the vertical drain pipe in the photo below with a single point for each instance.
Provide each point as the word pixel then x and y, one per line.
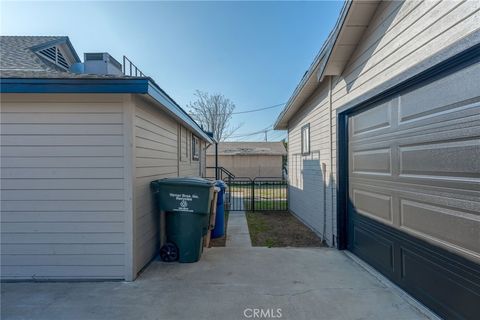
pixel 324 170
pixel 330 89
pixel 216 160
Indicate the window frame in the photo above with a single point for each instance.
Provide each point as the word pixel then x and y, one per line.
pixel 187 145
pixel 302 135
pixel 195 148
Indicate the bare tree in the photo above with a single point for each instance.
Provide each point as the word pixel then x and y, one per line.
pixel 213 112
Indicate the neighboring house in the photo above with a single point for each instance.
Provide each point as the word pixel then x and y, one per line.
pixel 383 133
pixel 248 159
pixel 79 151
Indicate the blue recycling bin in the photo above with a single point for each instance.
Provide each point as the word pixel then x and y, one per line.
pixel 219 230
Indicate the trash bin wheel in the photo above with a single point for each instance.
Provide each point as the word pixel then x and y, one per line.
pixel 169 252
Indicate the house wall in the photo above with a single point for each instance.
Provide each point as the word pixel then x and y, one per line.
pixel 401 34
pixel 75 184
pixel 251 166
pixel 155 158
pixel 188 166
pixel 62 186
pixel 162 150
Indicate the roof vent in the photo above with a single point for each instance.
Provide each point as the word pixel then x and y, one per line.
pixel 54 55
pixel 101 63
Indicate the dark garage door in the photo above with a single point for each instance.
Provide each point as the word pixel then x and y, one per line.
pixel 414 190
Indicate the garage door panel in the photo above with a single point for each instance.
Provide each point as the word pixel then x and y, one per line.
pixel 452 228
pixel 449 125
pixel 445 95
pixel 376 161
pixel 376 120
pixel 440 163
pixel 454 188
pixel 440 284
pixel 373 204
pixel 459 113
pixel 466 200
pixel 457 160
pixel 374 248
pixel 466 193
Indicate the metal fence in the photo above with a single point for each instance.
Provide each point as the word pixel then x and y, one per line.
pixel 130 69
pixel 219 173
pixel 259 194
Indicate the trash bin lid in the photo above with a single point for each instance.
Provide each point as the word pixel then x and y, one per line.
pixel 221 184
pixel 183 181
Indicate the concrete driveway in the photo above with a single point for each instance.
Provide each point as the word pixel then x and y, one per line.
pixel 228 283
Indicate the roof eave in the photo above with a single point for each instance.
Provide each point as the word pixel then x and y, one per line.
pixel 164 99
pixel 143 86
pixel 282 121
pixel 326 63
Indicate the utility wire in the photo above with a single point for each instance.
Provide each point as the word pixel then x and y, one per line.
pixel 262 131
pixel 246 111
pixel 252 133
pixel 259 109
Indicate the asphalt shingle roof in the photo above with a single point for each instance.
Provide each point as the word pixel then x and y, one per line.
pixel 16 53
pixel 249 148
pixel 18 60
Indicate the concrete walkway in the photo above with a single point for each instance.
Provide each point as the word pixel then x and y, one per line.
pixel 228 283
pixel 237 228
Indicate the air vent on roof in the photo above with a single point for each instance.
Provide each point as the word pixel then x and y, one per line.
pixel 93 56
pixel 53 54
pixel 101 63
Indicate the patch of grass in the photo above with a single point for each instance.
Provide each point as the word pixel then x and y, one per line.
pixel 256 224
pixel 279 229
pixel 271 205
pixel 260 191
pixel 270 242
pixel 266 205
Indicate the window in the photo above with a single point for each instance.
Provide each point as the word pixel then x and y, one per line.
pixel 187 145
pixel 179 144
pixel 306 139
pixel 195 148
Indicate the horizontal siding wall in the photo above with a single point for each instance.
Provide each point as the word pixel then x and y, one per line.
pixel 310 176
pixel 160 152
pixel 156 157
pixel 62 197
pixel 401 34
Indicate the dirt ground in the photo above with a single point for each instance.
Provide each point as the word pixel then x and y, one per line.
pixel 280 229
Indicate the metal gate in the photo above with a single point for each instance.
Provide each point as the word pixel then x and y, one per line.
pixel 259 194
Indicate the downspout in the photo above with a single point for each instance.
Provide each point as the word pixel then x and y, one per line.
pixel 216 160
pixel 324 170
pixel 330 89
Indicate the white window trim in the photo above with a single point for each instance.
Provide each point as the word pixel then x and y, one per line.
pixel 195 148
pixel 305 139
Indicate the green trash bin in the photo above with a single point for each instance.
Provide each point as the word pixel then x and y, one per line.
pixel 186 203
